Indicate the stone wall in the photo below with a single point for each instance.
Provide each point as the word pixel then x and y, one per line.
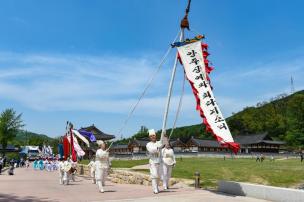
pixel 124 176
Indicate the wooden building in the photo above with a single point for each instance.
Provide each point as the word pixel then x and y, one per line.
pixel 259 143
pixel 120 149
pixel 138 146
pixel 200 145
pixel 256 143
pixel 178 146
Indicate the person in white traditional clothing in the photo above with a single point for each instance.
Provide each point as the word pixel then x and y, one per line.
pixel 168 161
pixel 67 168
pixel 92 170
pixel 154 147
pixel 61 171
pixel 102 165
pixel 73 170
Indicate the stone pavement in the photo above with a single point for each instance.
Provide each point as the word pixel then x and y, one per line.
pixel 28 185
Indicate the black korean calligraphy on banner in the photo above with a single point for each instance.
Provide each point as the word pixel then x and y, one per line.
pixel 194 60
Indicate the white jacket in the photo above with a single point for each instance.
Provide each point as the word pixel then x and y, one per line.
pixel 154 152
pixel 102 159
pixel 168 156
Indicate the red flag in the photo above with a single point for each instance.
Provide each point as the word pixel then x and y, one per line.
pixel 66 147
pixel 74 158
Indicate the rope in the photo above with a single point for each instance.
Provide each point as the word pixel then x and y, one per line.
pixel 178 108
pixel 146 88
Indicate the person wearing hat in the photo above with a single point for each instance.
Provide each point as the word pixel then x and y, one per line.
pixel 102 165
pixel 153 148
pixel 168 161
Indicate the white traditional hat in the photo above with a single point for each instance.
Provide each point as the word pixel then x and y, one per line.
pixel 99 142
pixel 152 132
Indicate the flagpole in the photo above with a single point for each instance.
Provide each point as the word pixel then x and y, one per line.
pixel 184 24
pixel 165 117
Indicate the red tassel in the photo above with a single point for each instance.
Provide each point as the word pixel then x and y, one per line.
pixel 205 54
pixel 204 46
pixel 179 59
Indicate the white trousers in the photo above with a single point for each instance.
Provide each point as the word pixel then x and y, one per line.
pixel 100 176
pixel 155 173
pixel 166 174
pixel 61 174
pixel 66 178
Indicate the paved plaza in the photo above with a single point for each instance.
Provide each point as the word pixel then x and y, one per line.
pixel 30 185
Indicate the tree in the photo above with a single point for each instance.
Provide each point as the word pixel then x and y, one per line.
pixel 10 124
pixel 295 133
pixel 142 133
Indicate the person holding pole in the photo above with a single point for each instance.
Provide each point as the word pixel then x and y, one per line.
pixel 102 165
pixel 154 147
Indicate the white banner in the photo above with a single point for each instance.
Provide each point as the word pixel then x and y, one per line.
pixel 75 132
pixel 194 65
pixel 77 147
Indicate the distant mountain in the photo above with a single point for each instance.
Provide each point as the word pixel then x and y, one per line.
pixel 282 118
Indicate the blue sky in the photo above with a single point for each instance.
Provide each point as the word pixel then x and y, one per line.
pixel 88 61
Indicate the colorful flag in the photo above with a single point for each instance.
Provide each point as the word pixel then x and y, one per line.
pixel 90 135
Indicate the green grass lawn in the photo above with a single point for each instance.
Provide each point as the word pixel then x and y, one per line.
pixel 128 163
pixel 283 173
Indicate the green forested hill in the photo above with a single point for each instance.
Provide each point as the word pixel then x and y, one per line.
pixel 30 138
pixel 282 118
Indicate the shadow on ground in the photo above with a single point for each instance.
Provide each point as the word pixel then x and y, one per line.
pixel 12 198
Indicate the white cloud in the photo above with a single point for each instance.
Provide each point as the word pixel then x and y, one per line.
pixel 112 84
pixel 75 82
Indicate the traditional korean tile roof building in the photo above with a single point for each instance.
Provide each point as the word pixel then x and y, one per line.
pixel 249 143
pixel 178 145
pixel 120 149
pixel 258 143
pixel 138 146
pixel 200 145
